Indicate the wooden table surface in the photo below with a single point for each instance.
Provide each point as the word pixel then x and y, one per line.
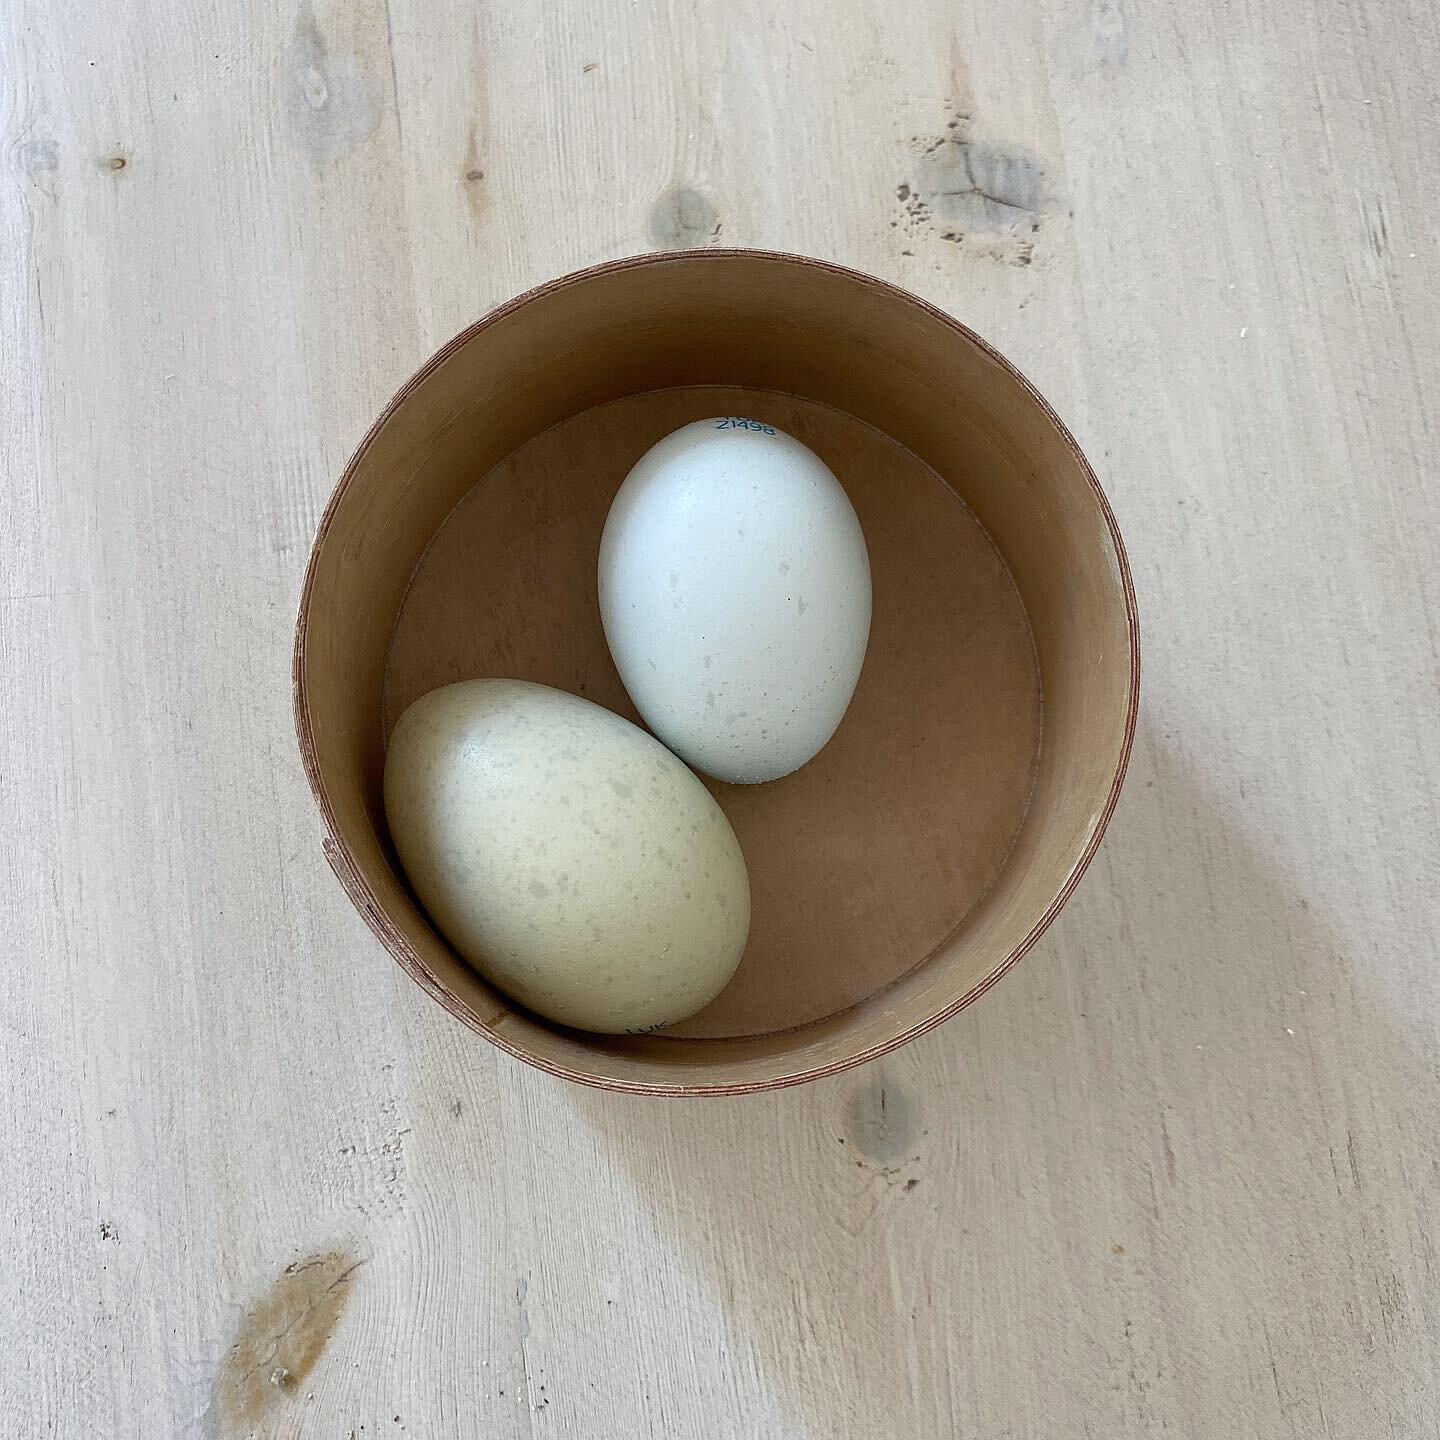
pixel 1177 1174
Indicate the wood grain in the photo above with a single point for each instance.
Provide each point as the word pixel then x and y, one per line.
pixel 1177 1173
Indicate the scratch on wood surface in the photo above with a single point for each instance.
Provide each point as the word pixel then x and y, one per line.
pixel 1274 1368
pixel 1168 1148
pixel 394 77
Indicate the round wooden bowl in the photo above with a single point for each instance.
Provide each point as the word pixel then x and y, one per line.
pixel 923 851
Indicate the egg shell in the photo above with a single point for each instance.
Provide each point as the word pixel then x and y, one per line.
pixel 735 593
pixel 566 854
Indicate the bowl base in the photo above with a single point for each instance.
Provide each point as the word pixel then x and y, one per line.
pixel 865 860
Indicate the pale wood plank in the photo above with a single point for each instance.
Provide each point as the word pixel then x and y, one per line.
pixel 1179 1171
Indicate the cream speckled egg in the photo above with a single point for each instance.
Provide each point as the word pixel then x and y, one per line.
pixel 566 854
pixel 735 593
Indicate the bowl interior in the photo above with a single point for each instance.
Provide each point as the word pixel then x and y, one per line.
pixel 922 851
pixel 862 861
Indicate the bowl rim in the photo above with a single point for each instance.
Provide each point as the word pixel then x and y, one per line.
pixel 337 851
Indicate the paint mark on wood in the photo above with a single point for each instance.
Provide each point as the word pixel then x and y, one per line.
pixel 985 186
pixel 37 157
pixel 683 219
pixel 1109 43
pixel 879 1121
pixel 332 102
pixel 987 197
pixel 281 1337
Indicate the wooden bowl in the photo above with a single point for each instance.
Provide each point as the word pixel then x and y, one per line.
pixel 923 851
